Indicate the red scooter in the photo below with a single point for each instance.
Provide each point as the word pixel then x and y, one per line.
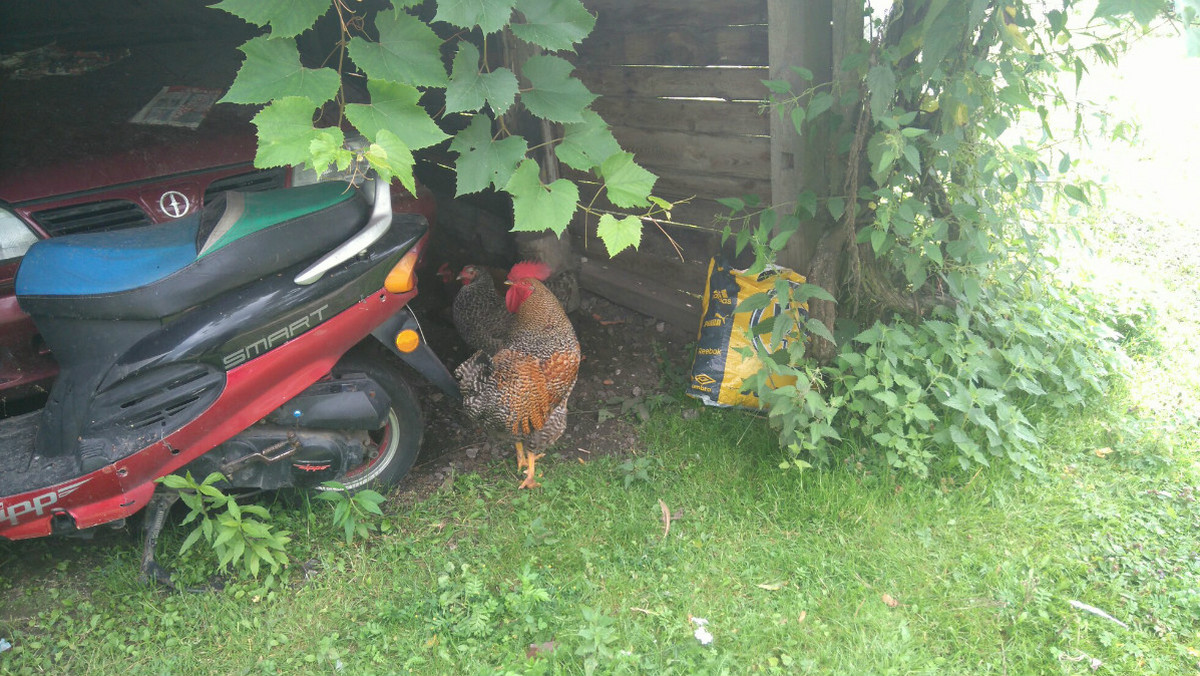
pixel 244 339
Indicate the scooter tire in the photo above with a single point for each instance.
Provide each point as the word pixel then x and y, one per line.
pixel 399 440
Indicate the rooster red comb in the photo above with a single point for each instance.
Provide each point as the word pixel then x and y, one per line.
pixel 526 269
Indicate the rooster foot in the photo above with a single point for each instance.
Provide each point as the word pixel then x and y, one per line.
pixel 529 481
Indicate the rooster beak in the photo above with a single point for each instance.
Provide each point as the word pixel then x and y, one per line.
pixel 508 282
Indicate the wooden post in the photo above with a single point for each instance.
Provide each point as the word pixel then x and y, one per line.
pixel 800 33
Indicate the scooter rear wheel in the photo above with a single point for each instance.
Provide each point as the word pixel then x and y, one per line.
pixel 395 445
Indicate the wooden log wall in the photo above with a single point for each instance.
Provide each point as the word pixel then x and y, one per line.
pixel 681 86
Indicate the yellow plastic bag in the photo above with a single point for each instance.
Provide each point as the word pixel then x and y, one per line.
pixel 719 370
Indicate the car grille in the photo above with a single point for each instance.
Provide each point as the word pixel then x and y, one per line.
pixel 254 181
pixel 119 214
pixel 93 217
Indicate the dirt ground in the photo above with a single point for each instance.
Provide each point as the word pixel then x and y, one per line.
pixel 627 361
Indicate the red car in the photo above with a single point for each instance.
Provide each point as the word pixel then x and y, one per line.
pixel 109 127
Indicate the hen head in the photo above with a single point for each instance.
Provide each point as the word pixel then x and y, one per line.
pixel 468 273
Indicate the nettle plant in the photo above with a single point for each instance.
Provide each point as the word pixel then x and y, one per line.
pixel 399 57
pixel 954 340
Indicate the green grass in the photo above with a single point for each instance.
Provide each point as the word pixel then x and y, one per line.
pixel 794 572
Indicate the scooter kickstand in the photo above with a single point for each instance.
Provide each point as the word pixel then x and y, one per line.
pixel 157 510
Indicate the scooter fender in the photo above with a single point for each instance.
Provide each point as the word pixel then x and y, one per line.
pixel 421 357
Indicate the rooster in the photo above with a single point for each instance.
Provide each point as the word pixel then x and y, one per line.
pixel 522 389
pixel 479 313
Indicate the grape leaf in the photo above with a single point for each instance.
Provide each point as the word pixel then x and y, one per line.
pixel 556 96
pixel 538 207
pixel 285 132
pixel 619 234
pixel 881 82
pixel 395 107
pixel 327 148
pixel 1143 11
pixel 272 70
pixel 407 52
pixel 489 15
pixel 628 184
pixel 288 18
pixel 469 88
pixel 553 24
pixel 389 156
pixel 482 161
pixel 586 144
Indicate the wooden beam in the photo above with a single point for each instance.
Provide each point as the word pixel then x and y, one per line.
pixel 735 118
pixel 683 46
pixel 733 84
pixel 667 13
pixel 645 294
pixel 746 156
pixel 801 35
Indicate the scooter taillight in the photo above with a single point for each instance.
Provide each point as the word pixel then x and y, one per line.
pixel 403 277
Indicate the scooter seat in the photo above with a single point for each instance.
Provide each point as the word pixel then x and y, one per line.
pixel 156 271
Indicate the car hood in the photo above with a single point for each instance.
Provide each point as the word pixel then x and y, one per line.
pixel 70 134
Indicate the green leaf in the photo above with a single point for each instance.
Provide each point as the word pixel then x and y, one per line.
pixel 489 15
pixel 867 382
pixel 286 133
pixel 553 24
pixel 819 104
pixel 191 540
pixel 408 52
pixel 628 184
pixel 327 149
pixel 395 108
pixel 538 207
pixel 390 157
pixel 1075 193
pixel 881 82
pixel 923 413
pixel 619 234
pixel 807 291
pixel 887 398
pixel 555 95
pixel 470 88
pixel 288 18
pixel 272 70
pixel 837 207
pixel 1143 11
pixel 818 328
pixel 587 144
pixel 482 161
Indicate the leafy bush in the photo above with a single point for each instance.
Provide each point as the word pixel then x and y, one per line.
pixel 231 530
pixel 353 513
pixel 955 387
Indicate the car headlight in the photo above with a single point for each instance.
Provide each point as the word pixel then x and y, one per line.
pixel 15 236
pixel 304 175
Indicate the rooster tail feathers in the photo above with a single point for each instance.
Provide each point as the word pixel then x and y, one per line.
pixel 526 269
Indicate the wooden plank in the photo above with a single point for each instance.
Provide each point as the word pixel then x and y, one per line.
pixel 642 293
pixel 747 156
pixel 709 117
pixel 686 46
pixel 673 184
pixel 664 13
pixel 731 83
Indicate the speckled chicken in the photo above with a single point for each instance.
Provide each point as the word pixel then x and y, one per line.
pixel 479 312
pixel 521 391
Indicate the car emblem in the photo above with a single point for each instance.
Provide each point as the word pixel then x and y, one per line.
pixel 174 203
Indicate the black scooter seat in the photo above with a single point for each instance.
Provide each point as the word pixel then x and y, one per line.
pixel 159 270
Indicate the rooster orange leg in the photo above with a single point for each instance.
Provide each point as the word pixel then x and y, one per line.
pixel 522 459
pixel 531 458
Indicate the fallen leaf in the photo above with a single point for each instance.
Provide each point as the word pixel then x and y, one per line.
pixel 1103 452
pixel 666 517
pixel 803 614
pixel 771 586
pixel 536 649
pixel 581 461
pixel 607 381
pixel 891 602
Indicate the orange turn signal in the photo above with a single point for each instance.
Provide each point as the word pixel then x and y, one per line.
pixel 403 277
pixel 407 340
